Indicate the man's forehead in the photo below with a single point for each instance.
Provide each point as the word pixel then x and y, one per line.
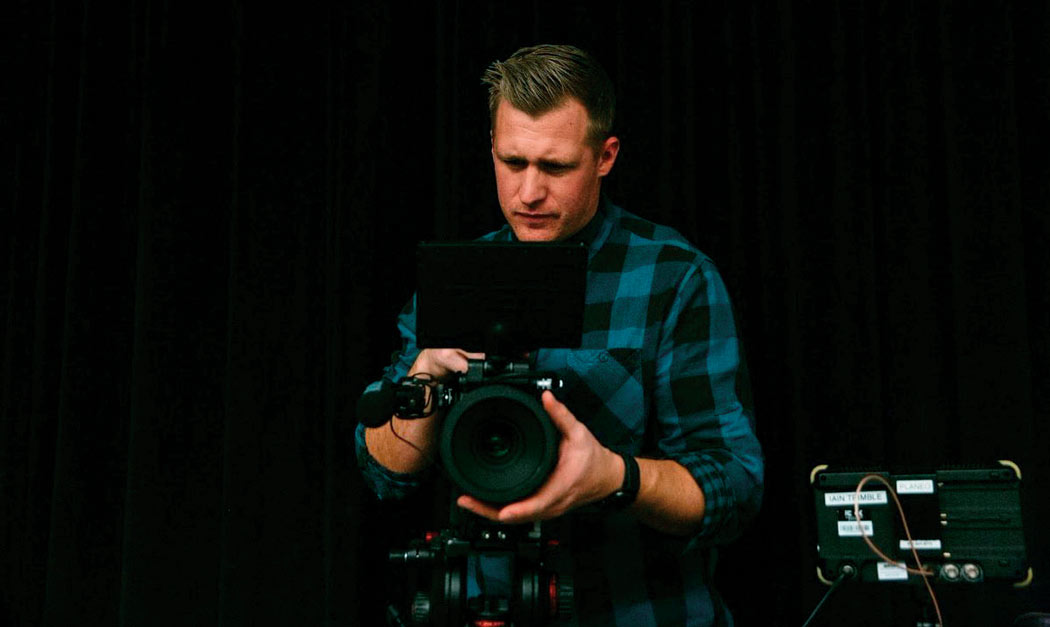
pixel 562 129
pixel 566 101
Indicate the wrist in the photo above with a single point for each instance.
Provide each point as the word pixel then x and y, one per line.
pixel 421 364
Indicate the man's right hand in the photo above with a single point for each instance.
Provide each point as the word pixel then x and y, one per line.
pixel 407 446
pixel 441 363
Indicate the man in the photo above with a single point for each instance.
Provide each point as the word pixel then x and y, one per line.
pixel 655 438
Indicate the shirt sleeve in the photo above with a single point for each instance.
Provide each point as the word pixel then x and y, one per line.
pixel 383 481
pixel 702 422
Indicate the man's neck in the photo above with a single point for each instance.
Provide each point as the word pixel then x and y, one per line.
pixel 590 230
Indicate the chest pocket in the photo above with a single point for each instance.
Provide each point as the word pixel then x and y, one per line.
pixel 605 390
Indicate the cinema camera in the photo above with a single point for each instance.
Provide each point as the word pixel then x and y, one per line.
pixel 496 441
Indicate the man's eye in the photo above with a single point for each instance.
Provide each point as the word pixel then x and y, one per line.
pixel 514 164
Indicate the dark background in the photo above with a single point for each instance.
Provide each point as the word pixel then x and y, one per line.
pixel 208 216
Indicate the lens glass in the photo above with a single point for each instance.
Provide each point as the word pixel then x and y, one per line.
pixel 497 441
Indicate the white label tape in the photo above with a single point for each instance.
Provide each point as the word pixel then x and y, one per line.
pixel 850 529
pixel 871 497
pixel 915 486
pixel 922 545
pixel 891 572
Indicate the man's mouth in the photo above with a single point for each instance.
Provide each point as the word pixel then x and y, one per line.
pixel 535 218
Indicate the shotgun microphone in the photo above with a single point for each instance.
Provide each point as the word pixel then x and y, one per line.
pixel 376 405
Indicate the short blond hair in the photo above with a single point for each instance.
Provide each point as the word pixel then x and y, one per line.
pixel 538 79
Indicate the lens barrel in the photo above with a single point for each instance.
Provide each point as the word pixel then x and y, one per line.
pixel 497 443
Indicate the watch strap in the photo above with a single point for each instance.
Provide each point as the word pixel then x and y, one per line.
pixel 628 491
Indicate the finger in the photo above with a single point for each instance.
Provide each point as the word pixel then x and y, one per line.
pixel 517 515
pixel 533 508
pixel 457 359
pixel 481 508
pixel 454 360
pixel 546 502
pixel 562 418
pixel 520 512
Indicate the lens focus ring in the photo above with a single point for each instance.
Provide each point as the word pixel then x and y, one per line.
pixel 497 443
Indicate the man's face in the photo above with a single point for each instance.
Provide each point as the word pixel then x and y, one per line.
pixel 547 175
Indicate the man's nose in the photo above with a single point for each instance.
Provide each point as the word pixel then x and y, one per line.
pixel 533 187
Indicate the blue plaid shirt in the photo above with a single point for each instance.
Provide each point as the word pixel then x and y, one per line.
pixel 657 375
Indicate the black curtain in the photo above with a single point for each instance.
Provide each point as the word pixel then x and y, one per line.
pixel 209 217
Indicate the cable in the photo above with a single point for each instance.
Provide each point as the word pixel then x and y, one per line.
pixel 921 570
pixel 399 437
pixel 847 572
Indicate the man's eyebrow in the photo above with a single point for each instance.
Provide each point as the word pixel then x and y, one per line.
pixel 546 163
pixel 557 163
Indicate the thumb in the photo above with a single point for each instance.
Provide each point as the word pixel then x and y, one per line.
pixel 562 418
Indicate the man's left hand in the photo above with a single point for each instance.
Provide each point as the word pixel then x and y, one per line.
pixel 586 472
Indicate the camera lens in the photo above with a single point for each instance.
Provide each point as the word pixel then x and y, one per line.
pixel 497 443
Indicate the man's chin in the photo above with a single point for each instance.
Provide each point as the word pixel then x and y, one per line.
pixel 527 233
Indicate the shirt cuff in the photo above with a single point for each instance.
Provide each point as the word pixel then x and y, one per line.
pixel 725 512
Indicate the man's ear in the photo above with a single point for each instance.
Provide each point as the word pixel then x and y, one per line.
pixel 607 155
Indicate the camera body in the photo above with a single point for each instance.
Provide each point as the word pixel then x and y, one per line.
pixel 496 443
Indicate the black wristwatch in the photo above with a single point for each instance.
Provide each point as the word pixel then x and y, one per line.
pixel 627 492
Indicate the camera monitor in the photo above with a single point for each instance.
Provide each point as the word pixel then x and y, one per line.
pixel 965 524
pixel 501 298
